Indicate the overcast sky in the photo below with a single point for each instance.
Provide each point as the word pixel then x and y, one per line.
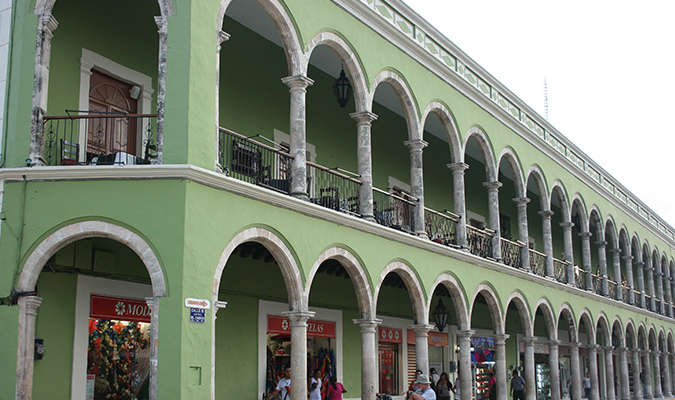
pixel 610 70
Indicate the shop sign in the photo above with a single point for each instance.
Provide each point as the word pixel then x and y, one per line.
pixel 119 308
pixel 390 335
pixel 539 348
pixel 433 339
pixel 315 328
pixel 197 303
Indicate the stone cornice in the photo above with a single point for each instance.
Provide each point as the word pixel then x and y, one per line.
pixel 453 66
pixel 221 182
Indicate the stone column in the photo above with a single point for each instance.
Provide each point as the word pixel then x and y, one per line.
pixel 628 261
pixel 650 283
pixel 667 295
pixel 369 367
pixel 163 31
pixel 153 304
pixel 365 162
pixel 658 390
pixel 523 234
pixel 493 216
pixel 465 381
pixel 417 184
pixel 28 306
pixel 298 85
pixel 298 320
pixel 641 283
pixel 548 240
pixel 553 364
pixel 530 384
pixel 602 266
pixel 616 265
pixel 609 372
pixel 222 37
pixel 647 374
pixel 500 366
pixel 422 347
pixel 460 202
pixel 667 383
pixel 575 370
pixel 46 26
pixel 671 358
pixel 659 288
pixel 593 369
pixel 568 247
pixel 637 370
pixel 623 368
pixel 586 258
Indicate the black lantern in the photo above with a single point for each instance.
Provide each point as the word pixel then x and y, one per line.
pixel 342 89
pixel 441 315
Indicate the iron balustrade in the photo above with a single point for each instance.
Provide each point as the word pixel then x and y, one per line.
pixel 332 189
pixel 625 292
pixel 440 227
pixel 560 270
pixel 393 211
pixel 479 241
pixel 511 252
pixel 254 162
pixel 597 283
pixel 99 138
pixel 580 277
pixel 659 308
pixel 611 289
pixel 537 262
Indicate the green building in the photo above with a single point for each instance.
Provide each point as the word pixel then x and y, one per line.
pixel 187 209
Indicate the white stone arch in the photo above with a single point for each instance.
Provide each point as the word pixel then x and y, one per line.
pixel 595 219
pixel 578 202
pixel 559 189
pixel 636 248
pixel 458 298
pixel 617 327
pixel 526 316
pixel 651 338
pixel 281 253
pixel 509 156
pixel 412 283
pixel 405 97
pixel 349 59
pixel 604 328
pixel 490 296
pixel 33 266
pixel 448 121
pixel 46 7
pixel 586 317
pixel 356 273
pixel 567 313
pixel 549 317
pixel 670 341
pixel 284 26
pixel 643 341
pixel 535 173
pixel 662 338
pixel 624 240
pixel 485 147
pixel 631 333
pixel 610 230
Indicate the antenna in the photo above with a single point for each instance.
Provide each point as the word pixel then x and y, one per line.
pixel 545 100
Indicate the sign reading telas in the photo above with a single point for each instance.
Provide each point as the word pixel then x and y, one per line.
pixel 119 308
pixel 315 328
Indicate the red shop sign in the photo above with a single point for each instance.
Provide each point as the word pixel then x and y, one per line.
pixel 433 339
pixel 119 308
pixel 315 328
pixel 390 335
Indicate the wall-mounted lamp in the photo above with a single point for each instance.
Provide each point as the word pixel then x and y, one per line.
pixel 441 315
pixel 342 89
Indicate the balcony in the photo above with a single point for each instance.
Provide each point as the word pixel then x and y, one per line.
pixel 99 138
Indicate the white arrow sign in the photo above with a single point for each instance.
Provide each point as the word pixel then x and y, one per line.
pixel 197 303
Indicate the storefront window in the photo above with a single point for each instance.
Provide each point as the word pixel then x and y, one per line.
pixel 118 349
pixel 390 340
pixel 482 354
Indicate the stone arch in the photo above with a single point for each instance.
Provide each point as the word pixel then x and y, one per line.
pixel 651 339
pixel 281 253
pixel 549 317
pixel 405 96
pixel 611 231
pixel 586 317
pixel 567 313
pixel 635 244
pixel 631 332
pixel 349 59
pixel 448 120
pixel 624 240
pixel 526 317
pixel 662 339
pixel 492 300
pixel 642 337
pixel 578 202
pixel 356 273
pixel 509 156
pixel 669 340
pixel 617 327
pixel 284 26
pixel 537 175
pixel 559 189
pixel 595 218
pixel 604 328
pixel 412 283
pixel 46 7
pixel 458 298
pixel 87 229
pixel 486 150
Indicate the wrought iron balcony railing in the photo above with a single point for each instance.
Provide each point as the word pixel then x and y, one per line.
pixel 611 289
pixel 560 270
pixel 511 252
pixel 479 241
pixel 538 262
pixel 440 227
pixel 580 277
pixel 99 138
pixel 394 211
pixel 332 189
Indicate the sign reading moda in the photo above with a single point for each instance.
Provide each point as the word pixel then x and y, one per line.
pixel 119 308
pixel 315 328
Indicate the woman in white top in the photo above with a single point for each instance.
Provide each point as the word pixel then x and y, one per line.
pixel 314 386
